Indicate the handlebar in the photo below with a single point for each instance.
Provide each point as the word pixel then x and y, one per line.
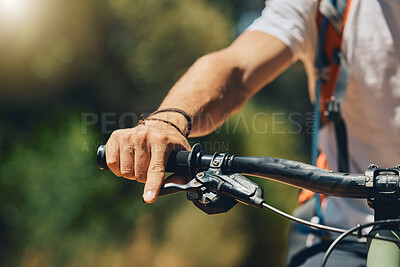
pixel 286 171
pixel 217 186
pixel 303 176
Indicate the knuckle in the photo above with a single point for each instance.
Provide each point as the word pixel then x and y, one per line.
pixel 140 137
pixel 157 168
pixel 114 134
pixel 129 148
pixel 126 169
pixel 111 161
pixel 159 136
pixel 126 172
pixel 142 130
pixel 125 137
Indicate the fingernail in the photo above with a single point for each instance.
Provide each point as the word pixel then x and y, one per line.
pixel 148 196
pixel 143 200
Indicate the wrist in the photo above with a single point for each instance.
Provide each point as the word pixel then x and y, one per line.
pixel 175 118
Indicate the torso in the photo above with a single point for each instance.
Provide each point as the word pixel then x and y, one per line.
pixel 371 107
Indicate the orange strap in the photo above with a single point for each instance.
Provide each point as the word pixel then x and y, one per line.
pixel 333 41
pixel 307 194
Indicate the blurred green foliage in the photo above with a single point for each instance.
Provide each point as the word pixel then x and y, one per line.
pixel 66 58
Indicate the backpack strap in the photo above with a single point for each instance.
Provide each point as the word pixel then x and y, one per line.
pixel 333 75
pixel 333 13
pixel 333 114
pixel 331 85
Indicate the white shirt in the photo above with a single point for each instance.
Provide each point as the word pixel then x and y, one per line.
pixel 371 108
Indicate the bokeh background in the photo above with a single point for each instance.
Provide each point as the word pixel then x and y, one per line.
pixel 62 60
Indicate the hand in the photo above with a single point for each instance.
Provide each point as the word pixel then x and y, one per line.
pixel 141 153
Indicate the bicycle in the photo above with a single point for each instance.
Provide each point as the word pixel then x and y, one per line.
pixel 218 184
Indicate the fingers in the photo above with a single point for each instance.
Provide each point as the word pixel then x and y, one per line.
pixel 142 161
pixel 141 153
pixel 126 160
pixel 160 153
pixel 155 174
pixel 112 156
pixel 120 154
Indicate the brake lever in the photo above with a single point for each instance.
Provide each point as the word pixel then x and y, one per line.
pixel 215 191
pixel 171 188
pixel 197 185
pixel 210 191
pixel 198 192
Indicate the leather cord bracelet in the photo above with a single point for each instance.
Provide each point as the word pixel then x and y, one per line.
pixel 142 121
pixel 187 117
pixel 167 122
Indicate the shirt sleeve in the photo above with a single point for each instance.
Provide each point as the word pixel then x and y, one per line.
pixel 291 21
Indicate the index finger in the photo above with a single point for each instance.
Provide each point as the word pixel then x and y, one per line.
pixel 156 172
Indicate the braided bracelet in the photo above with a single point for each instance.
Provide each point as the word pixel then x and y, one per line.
pixel 165 121
pixel 187 117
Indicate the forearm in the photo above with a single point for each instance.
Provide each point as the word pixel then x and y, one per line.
pixel 218 84
pixel 214 87
pixel 211 81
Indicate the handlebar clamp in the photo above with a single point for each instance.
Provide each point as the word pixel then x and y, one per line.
pixel 383 186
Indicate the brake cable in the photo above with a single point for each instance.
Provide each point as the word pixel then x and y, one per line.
pixel 305 222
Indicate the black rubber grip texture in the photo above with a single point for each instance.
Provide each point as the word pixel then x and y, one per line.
pixel 303 176
pixel 177 162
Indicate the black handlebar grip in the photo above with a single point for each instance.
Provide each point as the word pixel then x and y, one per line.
pixel 101 158
pixel 177 162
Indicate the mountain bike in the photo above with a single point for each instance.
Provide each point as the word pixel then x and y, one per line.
pixel 218 184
